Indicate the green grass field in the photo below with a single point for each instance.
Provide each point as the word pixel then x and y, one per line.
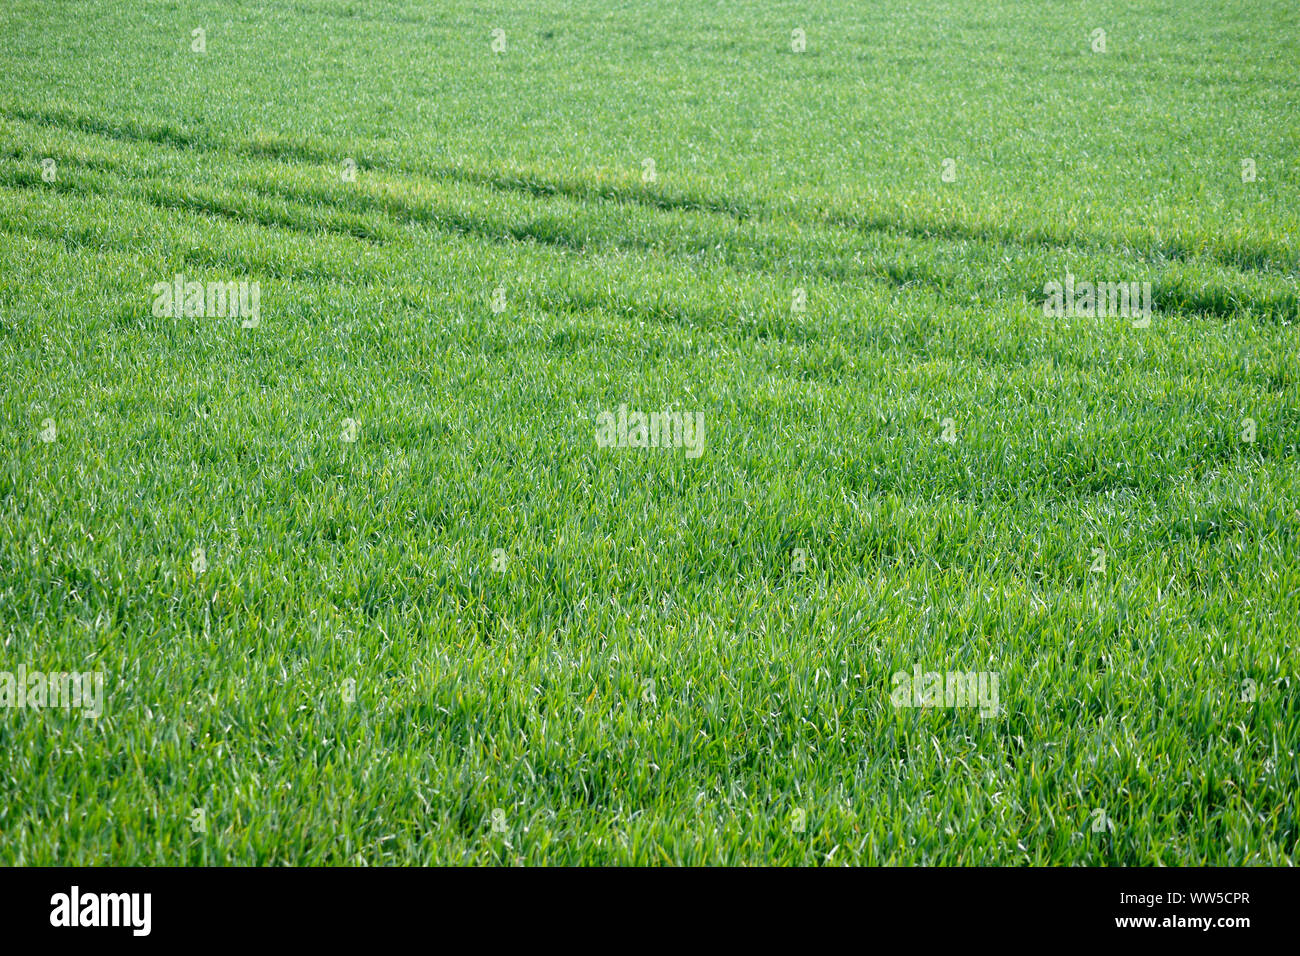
pixel 475 635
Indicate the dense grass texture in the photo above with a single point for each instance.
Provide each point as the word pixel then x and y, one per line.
pixel 473 634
